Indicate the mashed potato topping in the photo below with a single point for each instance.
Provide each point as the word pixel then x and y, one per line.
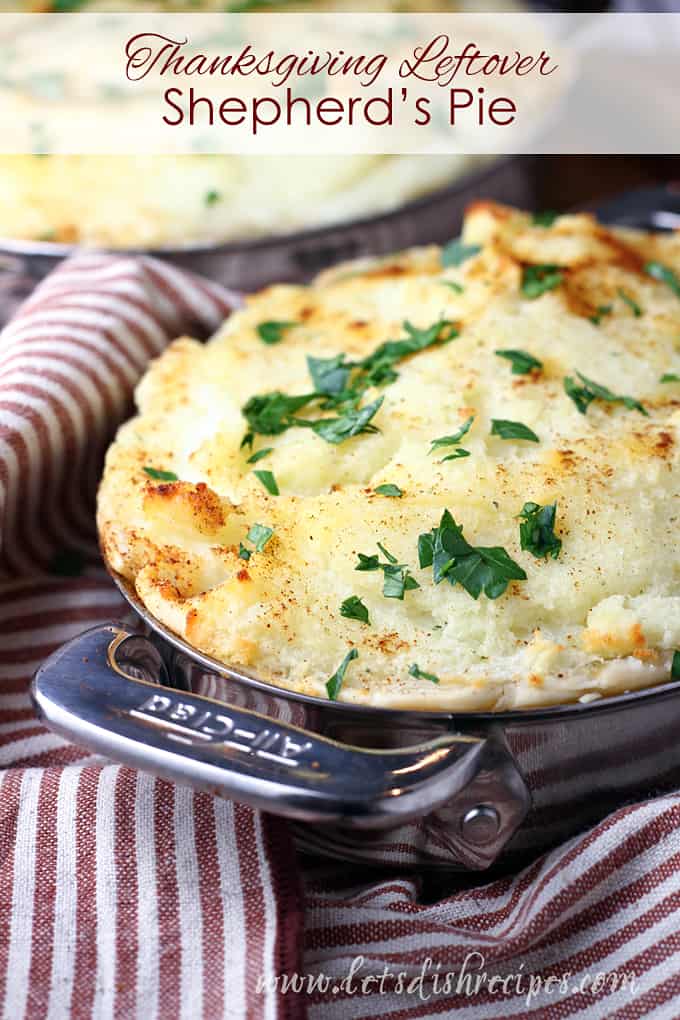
pixel 526 379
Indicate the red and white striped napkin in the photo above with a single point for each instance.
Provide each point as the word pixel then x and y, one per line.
pixel 122 896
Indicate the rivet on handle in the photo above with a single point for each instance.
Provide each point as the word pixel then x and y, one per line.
pixel 480 824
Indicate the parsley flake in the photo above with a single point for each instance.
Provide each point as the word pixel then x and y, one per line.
pixel 386 554
pixel 397 578
pixel 545 218
pixel 253 459
pixel 522 362
pixel 453 440
pixel 669 377
pixel 581 395
pixel 389 490
pixel 537 279
pixel 602 310
pixel 329 375
pixel 271 332
pixel 420 674
pixel 268 480
pixel 478 569
pixel 664 274
pixel 512 430
pixel 161 476
pixel 243 552
pixel 211 197
pixel 259 535
pixel 457 454
pixel 368 562
pixel 537 530
pixel 354 609
pixel 272 413
pixel 457 288
pixel 589 391
pixel 455 252
pixel 334 684
pixel 633 305
pixel 351 423
pixel 378 368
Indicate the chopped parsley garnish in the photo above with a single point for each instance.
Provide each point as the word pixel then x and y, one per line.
pixel 664 274
pixel 329 375
pixel 161 476
pixel 354 609
pixel 522 362
pixel 334 684
pixel 272 413
pixel 346 381
pixel 388 490
pixel 420 674
pixel 602 310
pixel 512 430
pixel 259 535
pixel 397 577
pixel 675 666
pixel 633 305
pixel 545 218
pixel 368 562
pixel 453 440
pixel 388 555
pixel 351 423
pixel 212 197
pixel 272 332
pixel 581 395
pixel 340 385
pixel 669 377
pixel 478 569
pixel 378 368
pixel 537 530
pixel 268 480
pixel 243 552
pixel 253 459
pixel 455 252
pixel 538 279
pixel 589 391
pixel 457 454
pixel 457 288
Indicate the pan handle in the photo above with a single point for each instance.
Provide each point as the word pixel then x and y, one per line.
pixel 102 691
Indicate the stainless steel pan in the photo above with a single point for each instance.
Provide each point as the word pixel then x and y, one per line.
pixel 433 789
pixel 407 788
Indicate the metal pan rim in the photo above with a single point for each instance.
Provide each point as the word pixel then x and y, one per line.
pixel 549 713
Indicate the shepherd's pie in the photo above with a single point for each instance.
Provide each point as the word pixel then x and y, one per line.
pixel 447 479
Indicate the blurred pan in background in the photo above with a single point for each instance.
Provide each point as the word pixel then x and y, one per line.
pixel 247 265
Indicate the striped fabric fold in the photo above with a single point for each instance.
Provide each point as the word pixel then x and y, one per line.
pixel 123 897
pixel 591 929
